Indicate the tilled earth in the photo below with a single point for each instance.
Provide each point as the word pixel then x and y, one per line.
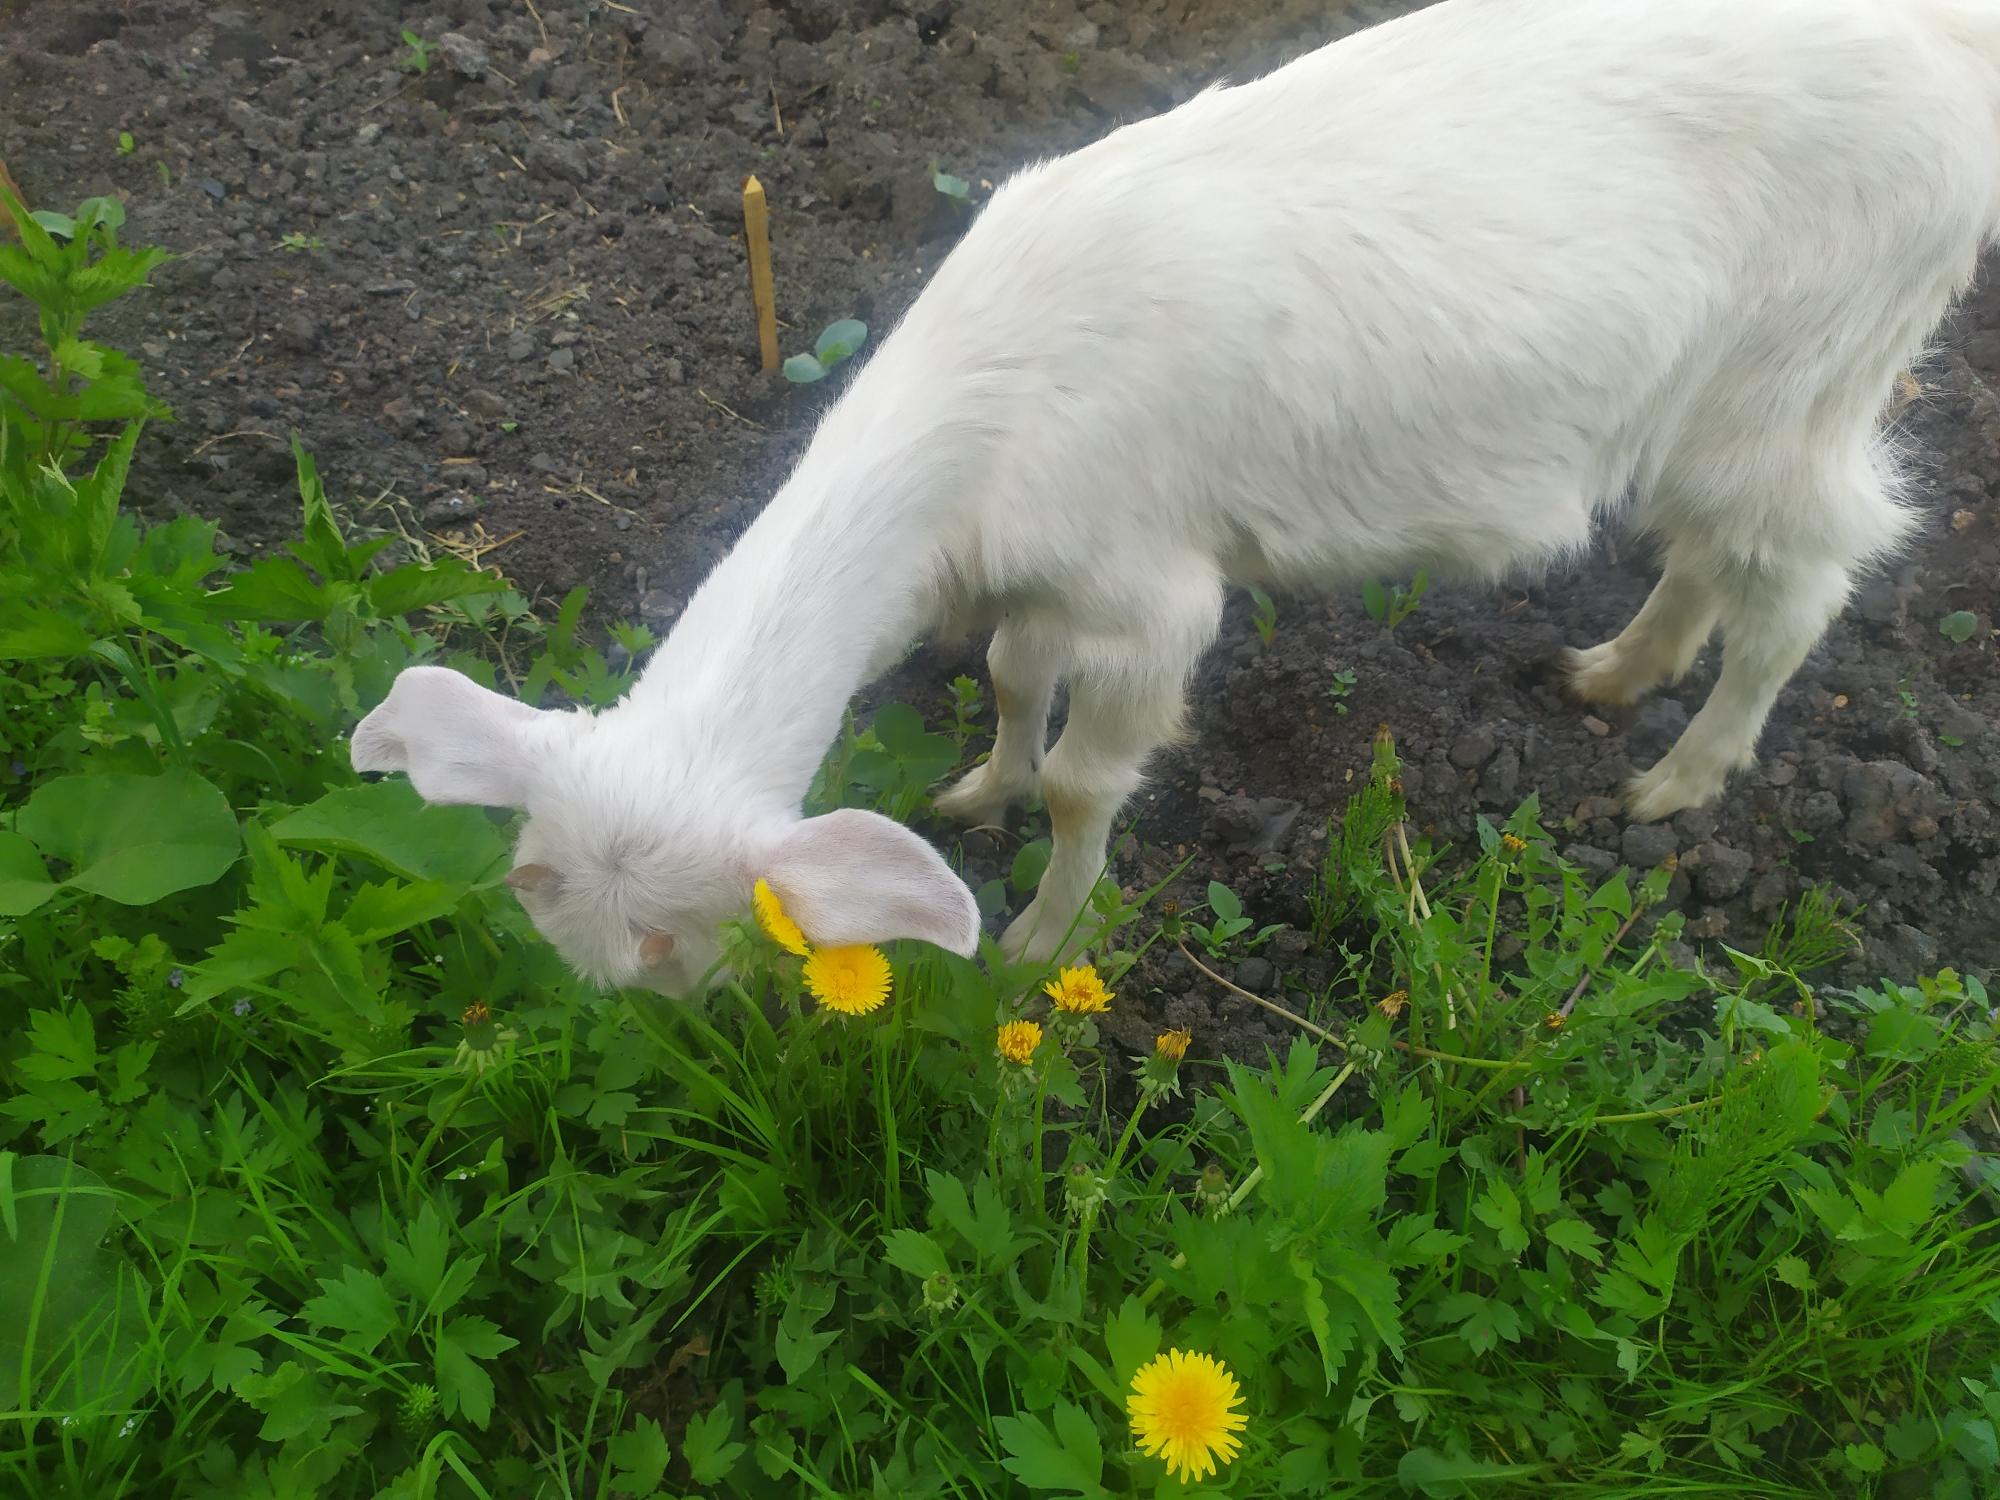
pixel 504 301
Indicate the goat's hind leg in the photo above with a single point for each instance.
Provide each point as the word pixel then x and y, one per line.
pixel 1772 614
pixel 1659 645
pixel 1024 686
pixel 1127 696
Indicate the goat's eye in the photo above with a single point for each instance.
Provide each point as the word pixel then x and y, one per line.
pixel 655 949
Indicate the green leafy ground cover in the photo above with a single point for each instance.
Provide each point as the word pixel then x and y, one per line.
pixel 320 1177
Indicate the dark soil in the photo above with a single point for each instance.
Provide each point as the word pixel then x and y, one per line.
pixel 521 321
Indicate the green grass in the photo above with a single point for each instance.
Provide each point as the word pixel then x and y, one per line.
pixel 320 1177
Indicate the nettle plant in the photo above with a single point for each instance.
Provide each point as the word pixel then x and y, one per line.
pixel 320 1176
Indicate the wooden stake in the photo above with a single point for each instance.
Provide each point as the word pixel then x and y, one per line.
pixel 763 294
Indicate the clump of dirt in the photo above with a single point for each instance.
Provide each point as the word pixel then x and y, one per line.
pixel 504 301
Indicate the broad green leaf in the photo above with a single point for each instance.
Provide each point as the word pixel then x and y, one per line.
pixel 387 822
pixel 1069 1459
pixel 24 879
pixel 414 587
pixel 1029 862
pixel 840 341
pixel 1222 901
pixel 1498 1207
pixel 706 1446
pixel 803 369
pixel 275 589
pixel 1132 1336
pixel 913 1251
pixel 1959 626
pixel 639 1457
pixel 464 1386
pixel 56 1279
pixel 134 839
pixel 1575 1236
pixel 357 1304
pixel 381 911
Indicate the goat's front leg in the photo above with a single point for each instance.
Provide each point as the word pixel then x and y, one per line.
pixel 1024 687
pixel 1126 698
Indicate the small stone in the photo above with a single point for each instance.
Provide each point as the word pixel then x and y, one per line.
pixel 1722 871
pixel 562 361
pixel 1589 858
pixel 368 134
pixel 462 55
pixel 1211 793
pixel 1253 974
pixel 299 332
pixel 1474 748
pixel 520 346
pixel 450 510
pixel 455 438
pixel 1647 845
pixel 213 188
pixel 484 403
pixel 1596 726
pixel 560 159
pixel 403 415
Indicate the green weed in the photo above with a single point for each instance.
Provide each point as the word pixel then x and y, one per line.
pixel 1390 605
pixel 416 54
pixel 1959 626
pixel 1264 616
pixel 838 341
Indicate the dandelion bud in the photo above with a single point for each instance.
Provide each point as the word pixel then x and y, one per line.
pixel 940 1293
pixel 1211 1193
pixel 1083 1189
pixel 1391 1004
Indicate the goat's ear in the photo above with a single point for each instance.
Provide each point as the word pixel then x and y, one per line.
pixel 858 877
pixel 458 741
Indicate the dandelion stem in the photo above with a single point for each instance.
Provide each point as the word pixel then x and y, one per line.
pixel 1110 1176
pixel 1328 1037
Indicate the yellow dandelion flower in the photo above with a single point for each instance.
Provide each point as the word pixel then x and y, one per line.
pixel 1554 1020
pixel 853 980
pixel 1510 844
pixel 770 914
pixel 1172 1045
pixel 1078 991
pixel 1391 1005
pixel 1017 1040
pixel 1182 1408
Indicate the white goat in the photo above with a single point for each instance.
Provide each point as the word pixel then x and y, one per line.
pixel 1439 295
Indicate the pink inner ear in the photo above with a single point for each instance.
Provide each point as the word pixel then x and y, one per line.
pixel 655 948
pixel 532 877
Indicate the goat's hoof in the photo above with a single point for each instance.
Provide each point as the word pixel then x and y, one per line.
pixel 1033 938
pixel 1594 676
pixel 977 799
pixel 1656 795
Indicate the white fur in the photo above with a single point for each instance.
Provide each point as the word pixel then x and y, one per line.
pixel 1440 295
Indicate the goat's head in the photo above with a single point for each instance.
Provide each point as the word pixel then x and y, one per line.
pixel 640 840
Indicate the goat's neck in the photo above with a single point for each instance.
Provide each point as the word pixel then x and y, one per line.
pixel 829 585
